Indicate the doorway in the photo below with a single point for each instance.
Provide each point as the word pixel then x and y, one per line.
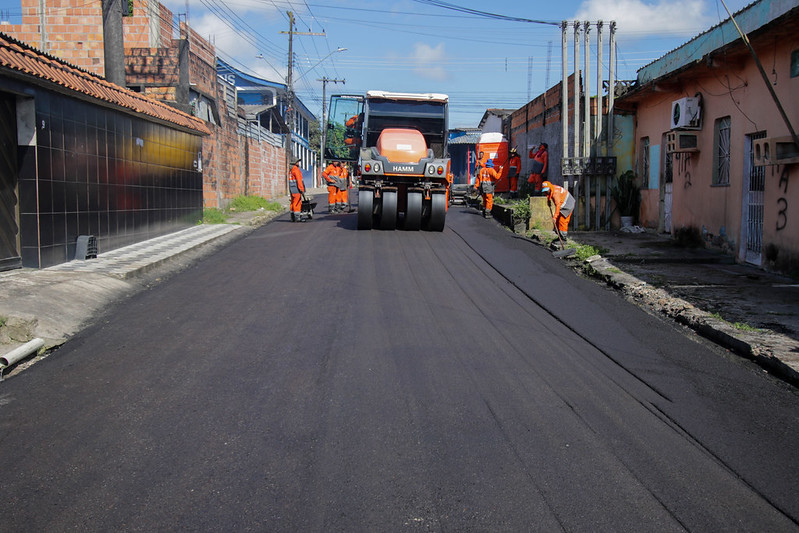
pixel 9 208
pixel 754 183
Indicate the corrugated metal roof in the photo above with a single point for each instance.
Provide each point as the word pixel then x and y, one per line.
pixel 22 59
pixel 468 138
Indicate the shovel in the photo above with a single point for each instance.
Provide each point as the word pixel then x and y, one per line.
pixel 563 252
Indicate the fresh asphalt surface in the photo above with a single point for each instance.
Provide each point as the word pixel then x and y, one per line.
pixel 312 377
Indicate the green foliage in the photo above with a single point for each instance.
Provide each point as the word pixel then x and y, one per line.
pixel 212 215
pixel 252 203
pixel 584 251
pixel 521 209
pixel 627 194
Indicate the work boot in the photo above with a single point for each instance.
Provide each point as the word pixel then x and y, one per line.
pixel 293 217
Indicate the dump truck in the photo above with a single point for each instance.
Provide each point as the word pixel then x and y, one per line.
pixel 397 145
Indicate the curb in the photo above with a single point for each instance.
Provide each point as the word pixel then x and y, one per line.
pixel 771 351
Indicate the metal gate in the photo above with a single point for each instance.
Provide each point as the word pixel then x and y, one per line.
pixel 9 216
pixel 755 184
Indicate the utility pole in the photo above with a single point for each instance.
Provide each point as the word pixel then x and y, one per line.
pixel 325 80
pixel 290 89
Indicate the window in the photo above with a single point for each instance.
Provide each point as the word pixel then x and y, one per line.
pixel 721 152
pixel 643 162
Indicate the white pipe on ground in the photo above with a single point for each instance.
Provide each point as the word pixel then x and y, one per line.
pixel 20 353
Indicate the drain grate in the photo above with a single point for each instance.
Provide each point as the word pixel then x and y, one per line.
pixel 86 247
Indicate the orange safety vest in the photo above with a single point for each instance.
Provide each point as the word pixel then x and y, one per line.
pixel 296 186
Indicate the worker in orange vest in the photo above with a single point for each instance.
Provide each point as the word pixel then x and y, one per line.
pixel 515 166
pixel 484 184
pixel 343 187
pixel 539 169
pixel 296 189
pixel 331 175
pixel 564 205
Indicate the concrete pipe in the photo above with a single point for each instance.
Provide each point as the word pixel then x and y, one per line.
pixel 20 353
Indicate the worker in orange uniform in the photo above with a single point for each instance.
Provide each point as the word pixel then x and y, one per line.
pixel 564 205
pixel 540 165
pixel 331 174
pixel 484 184
pixel 514 167
pixel 296 189
pixel 343 188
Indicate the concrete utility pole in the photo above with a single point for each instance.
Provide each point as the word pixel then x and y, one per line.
pixel 325 80
pixel 290 90
pixel 564 88
pixel 113 47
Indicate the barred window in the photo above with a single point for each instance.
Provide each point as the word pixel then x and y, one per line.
pixel 721 152
pixel 643 162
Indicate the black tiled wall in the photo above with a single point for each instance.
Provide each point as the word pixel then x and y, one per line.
pixel 97 171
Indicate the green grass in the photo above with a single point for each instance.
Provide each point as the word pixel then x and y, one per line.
pixel 252 203
pixel 239 204
pixel 744 327
pixel 584 251
pixel 737 325
pixel 3 321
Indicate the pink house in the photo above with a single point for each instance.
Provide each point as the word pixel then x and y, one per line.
pixel 714 148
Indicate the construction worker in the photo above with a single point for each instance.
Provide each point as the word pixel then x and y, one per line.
pixel 564 205
pixel 515 166
pixel 296 189
pixel 331 174
pixel 484 184
pixel 540 165
pixel 343 187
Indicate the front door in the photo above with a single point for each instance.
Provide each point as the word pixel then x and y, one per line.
pixel 754 187
pixel 9 211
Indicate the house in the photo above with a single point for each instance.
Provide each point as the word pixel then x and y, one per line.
pixel 83 157
pixel 162 57
pixel 704 112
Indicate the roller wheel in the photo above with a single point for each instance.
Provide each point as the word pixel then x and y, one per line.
pixel 365 209
pixel 388 213
pixel 413 212
pixel 438 213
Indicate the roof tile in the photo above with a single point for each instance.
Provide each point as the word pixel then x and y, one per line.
pixel 18 56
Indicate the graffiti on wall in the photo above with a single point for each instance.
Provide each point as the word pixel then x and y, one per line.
pixel 782 202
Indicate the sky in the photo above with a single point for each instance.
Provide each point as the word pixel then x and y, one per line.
pixel 497 54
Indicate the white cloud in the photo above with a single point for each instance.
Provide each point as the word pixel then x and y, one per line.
pixel 427 61
pixel 637 16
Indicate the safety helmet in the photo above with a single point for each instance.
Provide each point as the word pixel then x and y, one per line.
pixel 490 163
pixel 546 186
pixel 513 150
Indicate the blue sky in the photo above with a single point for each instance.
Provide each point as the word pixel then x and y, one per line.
pixel 469 50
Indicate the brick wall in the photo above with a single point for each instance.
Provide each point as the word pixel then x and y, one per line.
pixel 74 31
pixel 232 164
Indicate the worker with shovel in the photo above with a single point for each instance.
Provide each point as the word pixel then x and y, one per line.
pixel 564 205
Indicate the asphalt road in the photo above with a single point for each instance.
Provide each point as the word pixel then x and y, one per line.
pixel 311 377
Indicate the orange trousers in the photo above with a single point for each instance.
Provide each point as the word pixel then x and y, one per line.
pixel 296 203
pixel 342 196
pixel 488 201
pixel 563 222
pixel 332 195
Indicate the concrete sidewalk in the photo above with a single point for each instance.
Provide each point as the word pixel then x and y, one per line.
pixel 742 308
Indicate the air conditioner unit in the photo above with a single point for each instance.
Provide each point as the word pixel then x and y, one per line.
pixel 678 141
pixel 686 113
pixel 774 151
